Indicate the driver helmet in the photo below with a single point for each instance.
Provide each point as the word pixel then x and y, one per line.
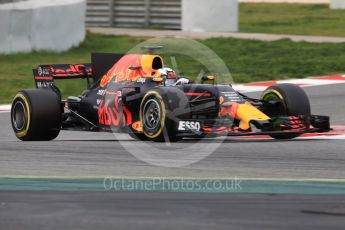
pixel 168 75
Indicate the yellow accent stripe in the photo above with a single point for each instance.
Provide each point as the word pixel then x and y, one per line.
pixel 25 131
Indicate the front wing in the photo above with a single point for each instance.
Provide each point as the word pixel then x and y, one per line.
pixel 280 125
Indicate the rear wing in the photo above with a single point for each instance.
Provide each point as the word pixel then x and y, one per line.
pixel 45 75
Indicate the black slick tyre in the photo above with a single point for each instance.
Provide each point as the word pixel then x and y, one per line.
pixel 36 115
pixel 160 111
pixel 295 102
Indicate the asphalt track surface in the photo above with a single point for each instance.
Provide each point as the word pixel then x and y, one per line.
pixel 100 154
pixel 75 155
pixel 156 211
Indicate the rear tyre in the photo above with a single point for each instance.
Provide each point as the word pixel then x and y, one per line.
pixel 295 102
pixel 36 115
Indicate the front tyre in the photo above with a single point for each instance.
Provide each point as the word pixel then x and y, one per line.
pixel 153 115
pixel 36 115
pixel 294 100
pixel 160 111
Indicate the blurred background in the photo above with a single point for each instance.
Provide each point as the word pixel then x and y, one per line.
pixel 255 38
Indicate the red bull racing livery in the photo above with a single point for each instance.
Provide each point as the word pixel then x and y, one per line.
pixel 138 95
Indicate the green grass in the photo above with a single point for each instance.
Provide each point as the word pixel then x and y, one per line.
pixel 16 69
pixel 247 60
pixel 303 19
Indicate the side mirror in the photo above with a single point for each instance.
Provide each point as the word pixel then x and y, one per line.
pixel 207 78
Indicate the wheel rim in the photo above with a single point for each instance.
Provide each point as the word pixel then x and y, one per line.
pixel 151 115
pixel 19 116
pixel 271 96
pixel 274 97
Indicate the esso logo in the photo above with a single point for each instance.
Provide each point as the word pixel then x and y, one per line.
pixel 189 125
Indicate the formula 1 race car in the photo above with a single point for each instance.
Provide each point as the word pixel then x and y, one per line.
pixel 138 95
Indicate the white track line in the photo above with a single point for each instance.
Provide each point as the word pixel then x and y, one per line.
pixel 320 137
pixel 5 108
pixel 304 82
pixel 288 1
